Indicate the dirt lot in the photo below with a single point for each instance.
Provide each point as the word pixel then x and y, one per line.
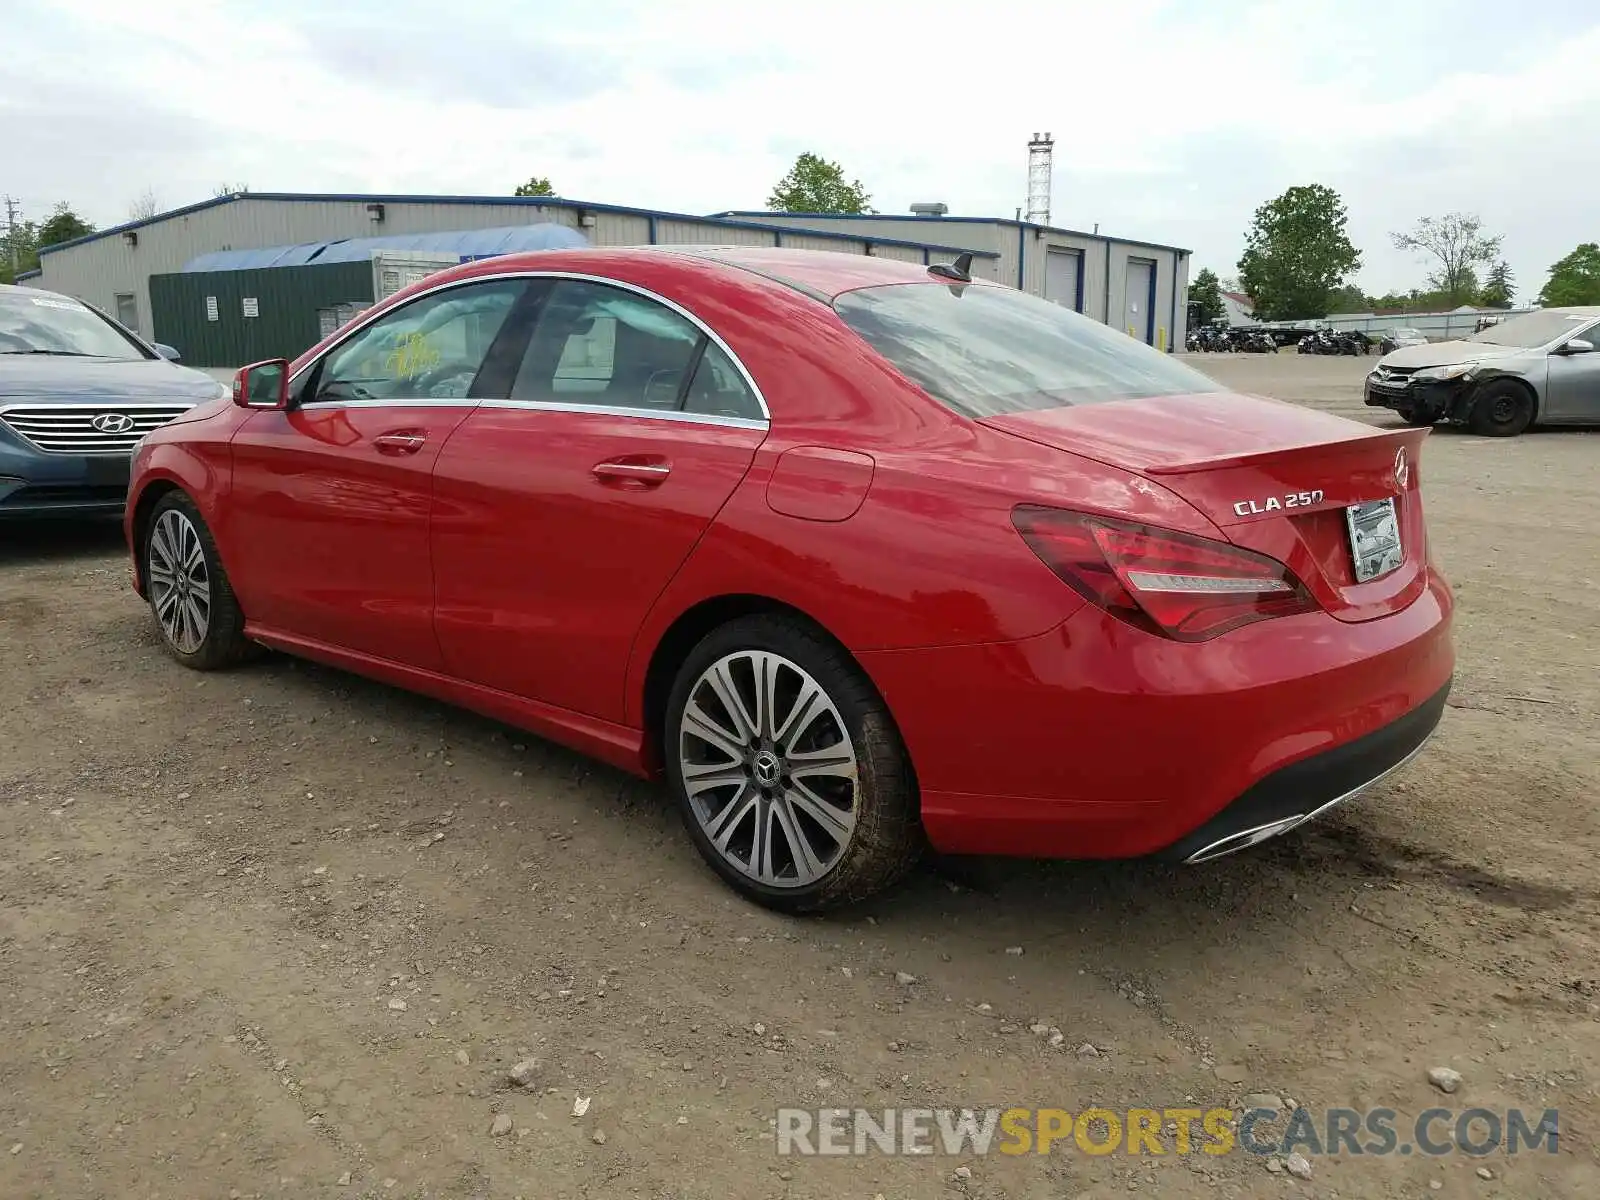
pixel 281 932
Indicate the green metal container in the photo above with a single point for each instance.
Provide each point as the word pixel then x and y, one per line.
pixel 229 318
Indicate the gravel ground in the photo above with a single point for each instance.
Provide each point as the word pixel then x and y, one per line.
pixel 282 932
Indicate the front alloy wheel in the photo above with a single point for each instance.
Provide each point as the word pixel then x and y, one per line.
pixel 180 581
pixel 789 772
pixel 199 619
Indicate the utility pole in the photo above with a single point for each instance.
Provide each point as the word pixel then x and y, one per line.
pixel 11 231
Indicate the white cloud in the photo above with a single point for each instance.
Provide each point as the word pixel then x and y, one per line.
pixel 1172 120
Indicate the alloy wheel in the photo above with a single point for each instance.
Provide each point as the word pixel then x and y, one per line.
pixel 180 581
pixel 769 768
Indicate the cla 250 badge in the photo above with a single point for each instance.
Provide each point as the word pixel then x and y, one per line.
pixel 1251 508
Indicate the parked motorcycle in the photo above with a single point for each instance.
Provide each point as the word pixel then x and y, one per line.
pixel 1330 341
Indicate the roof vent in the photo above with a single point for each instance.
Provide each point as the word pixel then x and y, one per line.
pixel 930 209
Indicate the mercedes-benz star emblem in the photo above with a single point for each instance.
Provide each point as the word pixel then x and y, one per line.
pixel 1402 469
pixel 112 423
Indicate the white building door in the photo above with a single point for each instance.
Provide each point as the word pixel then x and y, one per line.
pixel 1140 299
pixel 1061 270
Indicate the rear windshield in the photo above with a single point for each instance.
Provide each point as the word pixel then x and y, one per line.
pixel 986 351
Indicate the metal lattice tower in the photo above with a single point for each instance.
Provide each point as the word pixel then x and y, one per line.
pixel 1039 169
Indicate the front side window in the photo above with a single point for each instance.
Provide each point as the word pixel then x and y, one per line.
pixel 985 350
pixel 596 344
pixel 431 348
pixel 1590 335
pixel 46 324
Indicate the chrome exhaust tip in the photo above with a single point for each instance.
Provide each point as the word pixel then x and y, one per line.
pixel 1244 839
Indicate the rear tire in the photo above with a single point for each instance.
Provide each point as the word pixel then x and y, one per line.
pixel 803 795
pixel 1502 409
pixel 199 619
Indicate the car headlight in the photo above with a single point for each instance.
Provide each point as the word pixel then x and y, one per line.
pixel 224 391
pixel 1454 371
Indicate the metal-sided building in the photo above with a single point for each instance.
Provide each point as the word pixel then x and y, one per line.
pixel 1132 285
pixel 111 269
pixel 1138 287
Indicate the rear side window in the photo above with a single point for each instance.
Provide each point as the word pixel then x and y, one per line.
pixel 985 350
pixel 718 389
pixel 602 345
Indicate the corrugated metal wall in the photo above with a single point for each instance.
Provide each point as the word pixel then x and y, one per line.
pixel 908 254
pixel 287 303
pixel 123 262
pixel 1025 247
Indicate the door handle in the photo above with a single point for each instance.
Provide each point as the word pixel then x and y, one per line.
pixel 651 474
pixel 399 443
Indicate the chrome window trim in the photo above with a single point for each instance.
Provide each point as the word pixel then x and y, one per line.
pixel 602 410
pixel 618 410
pixel 405 402
pixel 359 325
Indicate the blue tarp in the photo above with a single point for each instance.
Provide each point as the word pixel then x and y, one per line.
pixel 465 244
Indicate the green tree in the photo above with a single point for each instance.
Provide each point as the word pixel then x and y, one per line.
pixel 1575 279
pixel 1457 243
pixel 146 206
pixel 1349 299
pixel 62 226
pixel 1205 293
pixel 815 185
pixel 537 185
pixel 1497 293
pixel 19 251
pixel 1297 253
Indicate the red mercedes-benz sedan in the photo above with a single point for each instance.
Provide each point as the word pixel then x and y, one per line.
pixel 860 555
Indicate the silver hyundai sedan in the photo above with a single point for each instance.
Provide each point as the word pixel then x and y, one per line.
pixel 1542 366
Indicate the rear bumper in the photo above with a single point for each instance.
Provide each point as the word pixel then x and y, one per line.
pixel 1098 741
pixel 33 484
pixel 1306 789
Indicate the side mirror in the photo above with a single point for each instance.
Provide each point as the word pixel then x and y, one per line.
pixel 1576 346
pixel 166 351
pixel 262 385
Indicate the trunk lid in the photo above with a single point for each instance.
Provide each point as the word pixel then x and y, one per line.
pixel 1273 477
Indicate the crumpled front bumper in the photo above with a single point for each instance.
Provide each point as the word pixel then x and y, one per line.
pixel 1436 399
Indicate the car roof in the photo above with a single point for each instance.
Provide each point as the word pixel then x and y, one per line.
pixel 820 274
pixel 7 289
pixel 824 274
pixel 1577 310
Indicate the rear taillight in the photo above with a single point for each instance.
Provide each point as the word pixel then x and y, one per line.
pixel 1175 584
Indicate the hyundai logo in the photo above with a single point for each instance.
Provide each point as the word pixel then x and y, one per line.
pixel 1402 469
pixel 112 423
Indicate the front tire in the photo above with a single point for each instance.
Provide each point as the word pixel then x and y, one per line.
pixel 790 776
pixel 1501 409
pixel 199 619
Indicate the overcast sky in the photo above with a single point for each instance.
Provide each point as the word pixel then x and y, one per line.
pixel 1172 121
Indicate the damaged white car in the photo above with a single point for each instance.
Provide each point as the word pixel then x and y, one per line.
pixel 1540 367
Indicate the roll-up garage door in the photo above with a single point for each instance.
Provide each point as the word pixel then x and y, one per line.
pixel 1061 270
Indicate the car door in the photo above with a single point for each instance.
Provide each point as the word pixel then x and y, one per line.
pixel 563 511
pixel 331 498
pixel 1572 388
